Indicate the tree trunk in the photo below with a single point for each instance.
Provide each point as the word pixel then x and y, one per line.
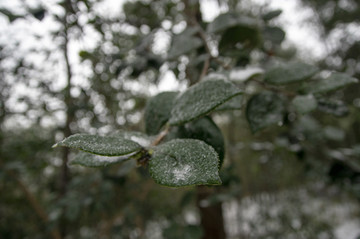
pixel 212 220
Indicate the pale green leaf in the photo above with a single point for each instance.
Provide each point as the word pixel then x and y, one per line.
pixel 270 15
pixel 184 162
pixel 274 34
pixel 290 73
pixel 264 109
pixel 334 82
pixel 92 160
pixel 101 145
pixel 201 99
pixel 304 103
pixel 184 42
pixel 158 111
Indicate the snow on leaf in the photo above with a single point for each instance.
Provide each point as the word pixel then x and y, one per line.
pixel 184 162
pixel 101 145
pixel 201 99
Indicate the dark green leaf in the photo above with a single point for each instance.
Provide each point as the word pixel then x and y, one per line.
pixel 247 36
pixel 304 103
pixel 274 34
pixel 203 129
pixel 290 73
pixel 270 15
pixel 158 111
pixel 334 82
pixel 184 162
pixel 91 160
pixel 101 145
pixel 234 103
pixel 201 99
pixel 264 109
pixel 335 107
pixel 230 19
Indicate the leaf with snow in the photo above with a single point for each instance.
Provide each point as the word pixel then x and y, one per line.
pixel 101 145
pixel 290 73
pixel 201 99
pixel 184 162
pixel 92 160
pixel 244 74
pixel 141 138
pixel 334 82
pixel 264 109
pixel 158 111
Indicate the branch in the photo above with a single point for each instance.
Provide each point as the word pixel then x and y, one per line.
pixel 35 205
pixel 161 136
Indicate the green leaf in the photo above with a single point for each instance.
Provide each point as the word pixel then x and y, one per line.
pixel 183 43
pixel 184 162
pixel 264 109
pixel 335 107
pixel 201 99
pixel 101 145
pixel 203 129
pixel 290 73
pixel 91 160
pixel 158 111
pixel 230 19
pixel 334 82
pixel 274 34
pixel 304 103
pixel 270 15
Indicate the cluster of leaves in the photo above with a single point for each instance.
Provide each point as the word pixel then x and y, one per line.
pixel 193 143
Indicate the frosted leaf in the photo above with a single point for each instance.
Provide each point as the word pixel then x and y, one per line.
pixel 184 162
pixel 304 103
pixel 92 160
pixel 101 145
pixel 201 99
pixel 263 110
pixel 290 73
pixel 138 137
pixel 334 82
pixel 244 74
pixel 158 111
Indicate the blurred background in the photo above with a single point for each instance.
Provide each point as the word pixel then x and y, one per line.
pixel 86 66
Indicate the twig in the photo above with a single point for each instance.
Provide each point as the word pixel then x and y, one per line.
pixel 35 205
pixel 205 68
pixel 161 136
